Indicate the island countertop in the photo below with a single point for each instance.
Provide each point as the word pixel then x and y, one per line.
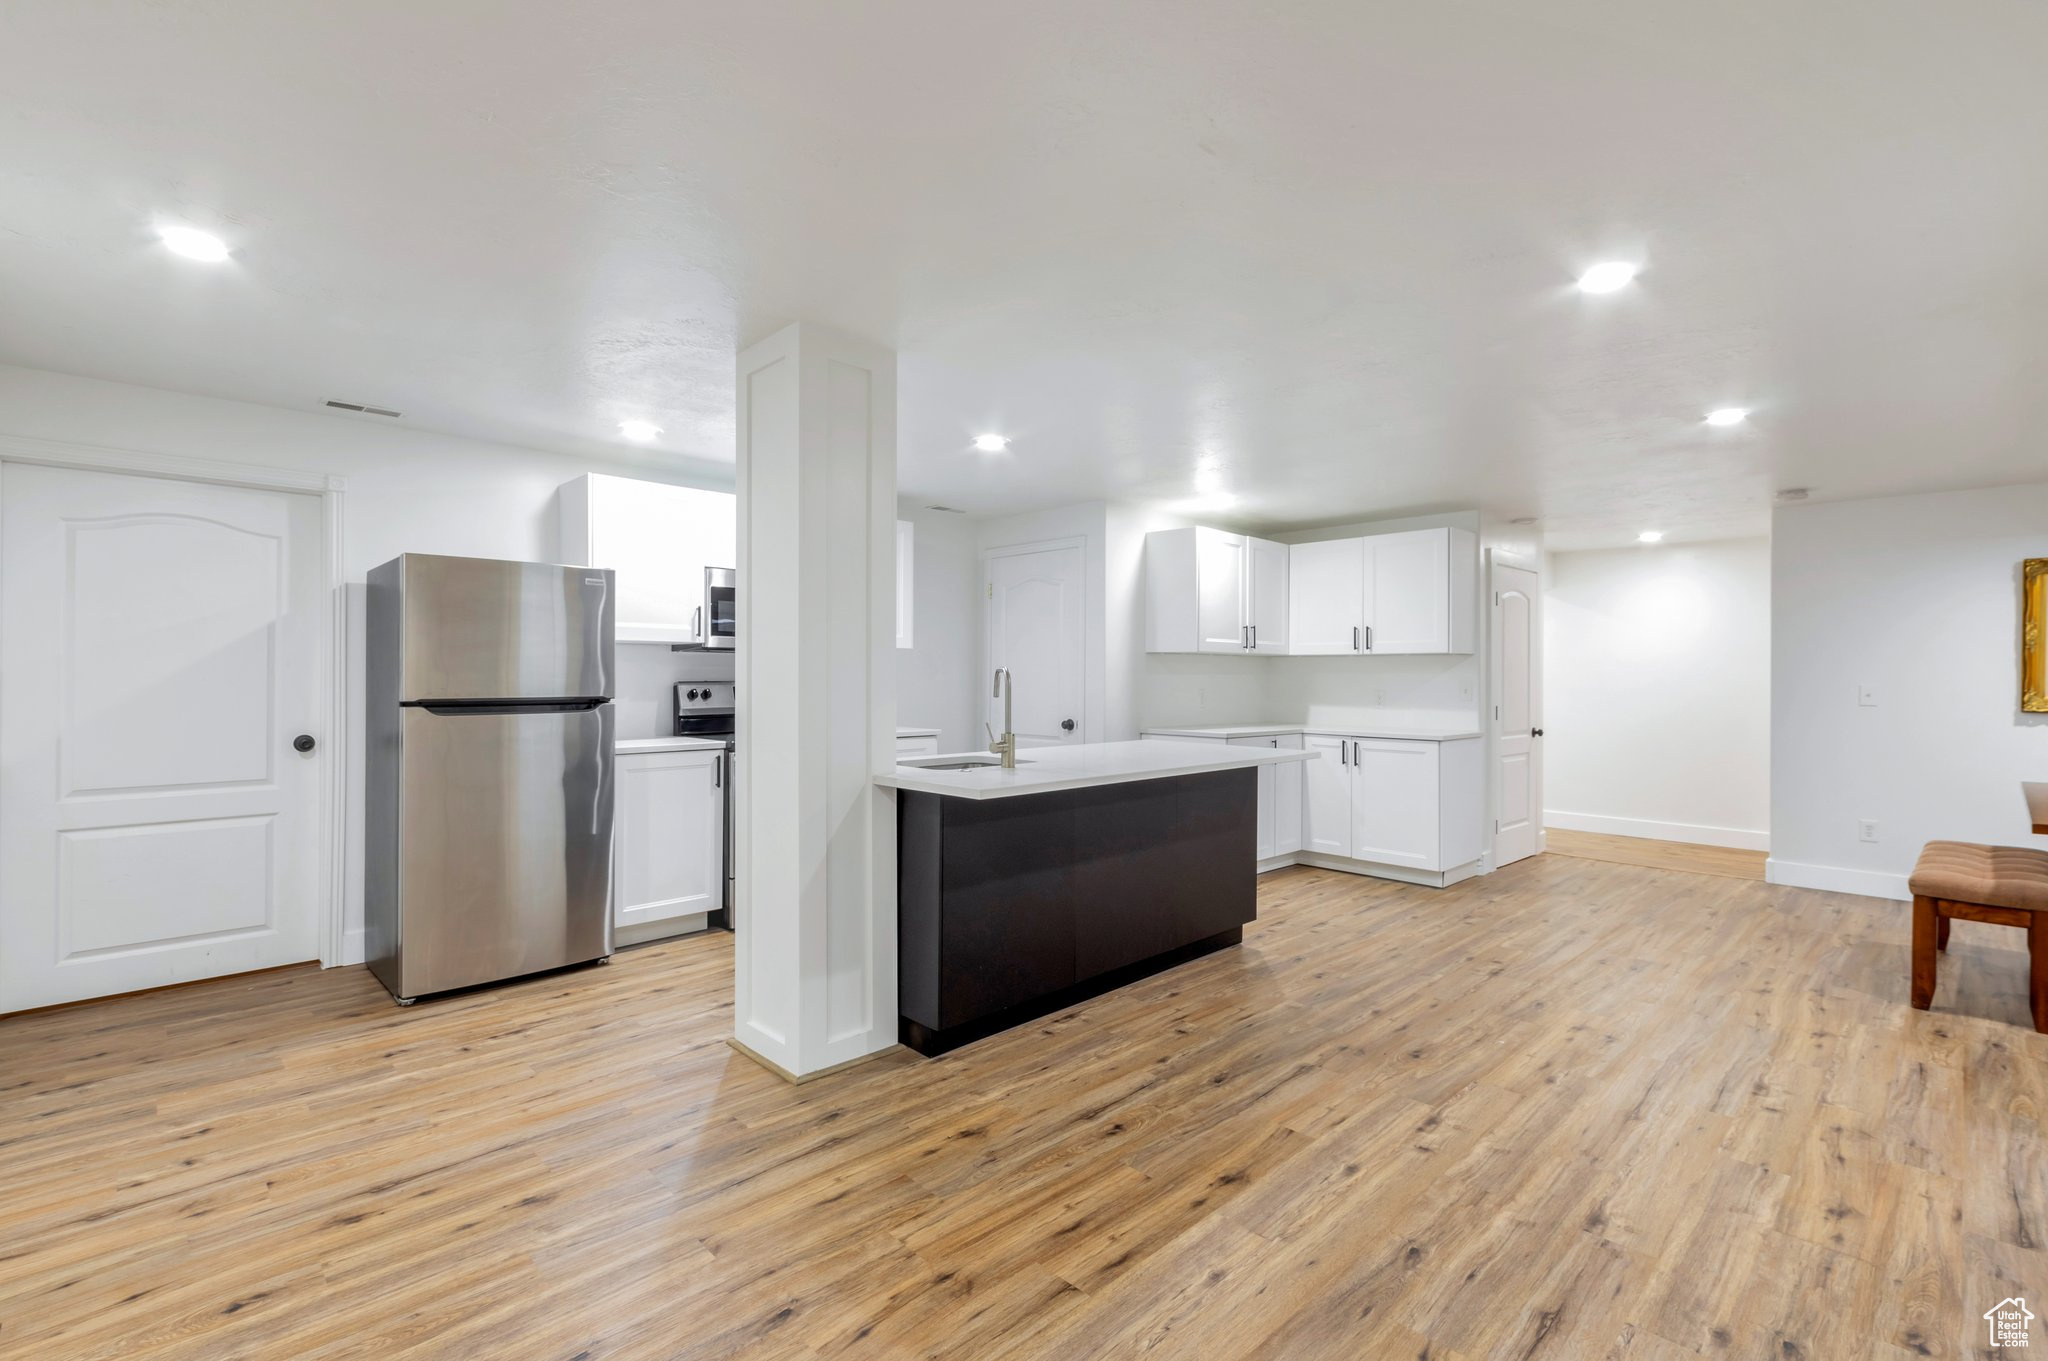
pixel 1045 770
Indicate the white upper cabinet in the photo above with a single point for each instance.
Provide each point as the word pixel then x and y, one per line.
pixel 1411 591
pixel 906 581
pixel 1327 597
pixel 1220 573
pixel 1210 591
pixel 659 539
pixel 1266 588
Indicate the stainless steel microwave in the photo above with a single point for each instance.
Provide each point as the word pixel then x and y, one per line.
pixel 721 609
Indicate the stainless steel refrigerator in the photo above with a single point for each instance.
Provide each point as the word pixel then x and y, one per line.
pixel 488 843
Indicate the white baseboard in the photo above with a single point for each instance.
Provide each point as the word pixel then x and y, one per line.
pixel 1834 879
pixel 352 951
pixel 1736 838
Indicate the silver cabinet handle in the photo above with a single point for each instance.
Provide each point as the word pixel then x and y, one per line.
pixel 1343 753
pixel 697 622
pixel 1354 637
pixel 717 772
pixel 1244 635
pixel 1255 637
pixel 1368 637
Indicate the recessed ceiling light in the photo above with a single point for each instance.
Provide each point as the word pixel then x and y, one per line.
pixel 991 444
pixel 1524 520
pixel 1607 276
pixel 640 432
pixel 1650 536
pixel 193 244
pixel 1728 415
pixel 1792 494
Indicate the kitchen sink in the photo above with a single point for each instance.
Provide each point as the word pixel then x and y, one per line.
pixel 955 762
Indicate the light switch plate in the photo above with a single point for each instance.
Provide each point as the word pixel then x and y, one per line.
pixel 1866 830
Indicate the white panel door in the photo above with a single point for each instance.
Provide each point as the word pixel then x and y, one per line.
pixel 1518 776
pixel 163 646
pixel 668 836
pixel 1267 594
pixel 1326 796
pixel 1325 598
pixel 1394 802
pixel 1222 612
pixel 1037 630
pixel 1411 591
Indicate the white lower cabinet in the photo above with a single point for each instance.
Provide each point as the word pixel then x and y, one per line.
pixel 668 842
pixel 1406 803
pixel 1407 808
pixel 1279 797
pixel 1326 796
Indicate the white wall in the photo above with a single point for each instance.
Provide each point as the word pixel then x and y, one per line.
pixel 935 679
pixel 1656 692
pixel 408 491
pixel 1919 598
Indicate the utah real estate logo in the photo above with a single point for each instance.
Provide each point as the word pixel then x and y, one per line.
pixel 2007 1321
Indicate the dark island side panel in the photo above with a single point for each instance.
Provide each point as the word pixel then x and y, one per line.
pixel 1006 903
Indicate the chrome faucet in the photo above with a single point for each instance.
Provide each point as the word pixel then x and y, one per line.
pixel 1006 745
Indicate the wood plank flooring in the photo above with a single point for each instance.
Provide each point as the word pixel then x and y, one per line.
pixel 1656 855
pixel 1571 1110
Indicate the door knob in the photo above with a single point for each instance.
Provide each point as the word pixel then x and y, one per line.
pixel 1535 732
pixel 1066 725
pixel 303 742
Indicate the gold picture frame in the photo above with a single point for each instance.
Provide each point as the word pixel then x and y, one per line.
pixel 2033 621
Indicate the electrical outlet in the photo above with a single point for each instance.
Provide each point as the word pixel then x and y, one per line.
pixel 1866 696
pixel 1866 830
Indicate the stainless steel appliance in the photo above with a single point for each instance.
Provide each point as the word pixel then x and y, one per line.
pixel 488 843
pixel 721 609
pixel 707 709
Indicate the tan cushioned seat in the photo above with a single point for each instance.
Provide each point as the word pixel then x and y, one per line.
pixel 1993 876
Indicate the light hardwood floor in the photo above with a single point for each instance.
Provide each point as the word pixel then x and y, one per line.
pixel 1656 855
pixel 1570 1110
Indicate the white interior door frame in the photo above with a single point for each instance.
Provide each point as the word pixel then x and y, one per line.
pixel 332 818
pixel 1077 542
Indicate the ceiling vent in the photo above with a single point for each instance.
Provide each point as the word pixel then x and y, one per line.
pixel 366 410
pixel 1793 494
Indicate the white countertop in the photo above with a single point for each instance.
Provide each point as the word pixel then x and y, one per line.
pixel 626 746
pixel 917 732
pixel 1046 770
pixel 1335 730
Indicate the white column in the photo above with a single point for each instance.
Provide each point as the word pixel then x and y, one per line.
pixel 815 840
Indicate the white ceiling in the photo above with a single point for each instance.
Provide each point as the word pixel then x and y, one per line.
pixel 1329 241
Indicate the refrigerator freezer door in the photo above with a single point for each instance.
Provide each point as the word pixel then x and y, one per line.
pixel 478 628
pixel 505 832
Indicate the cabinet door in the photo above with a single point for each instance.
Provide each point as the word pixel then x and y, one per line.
pixel 1411 591
pixel 1287 824
pixel 668 839
pixel 1394 802
pixel 1221 574
pixel 1325 598
pixel 658 539
pixel 1326 796
pixel 916 746
pixel 1267 594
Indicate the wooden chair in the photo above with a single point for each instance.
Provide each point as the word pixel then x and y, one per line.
pixel 2002 885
